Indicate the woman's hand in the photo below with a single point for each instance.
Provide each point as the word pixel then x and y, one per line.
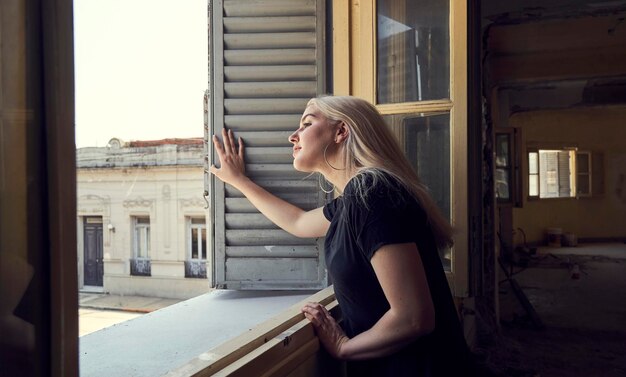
pixel 232 165
pixel 327 329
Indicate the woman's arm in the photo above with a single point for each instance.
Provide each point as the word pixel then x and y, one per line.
pixel 294 220
pixel 401 274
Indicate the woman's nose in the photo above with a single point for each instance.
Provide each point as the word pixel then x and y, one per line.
pixel 293 138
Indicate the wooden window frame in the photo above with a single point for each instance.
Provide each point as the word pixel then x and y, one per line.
pixel 588 174
pixel 354 73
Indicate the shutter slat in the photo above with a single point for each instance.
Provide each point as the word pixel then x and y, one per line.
pixel 270 73
pixel 260 237
pixel 264 139
pixel 294 269
pixel 267 171
pixel 273 251
pixel 243 205
pixel 263 8
pixel 269 40
pixel 269 24
pixel 269 122
pixel 283 189
pixel 248 221
pixel 270 89
pixel 270 57
pixel 260 156
pixel 265 106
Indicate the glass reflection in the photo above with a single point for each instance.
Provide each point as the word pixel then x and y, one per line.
pixel 413 50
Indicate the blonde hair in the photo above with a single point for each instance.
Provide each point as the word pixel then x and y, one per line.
pixel 372 148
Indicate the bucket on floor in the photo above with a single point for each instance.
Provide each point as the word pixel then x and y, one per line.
pixel 570 239
pixel 554 236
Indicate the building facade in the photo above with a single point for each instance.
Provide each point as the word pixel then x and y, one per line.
pixel 141 225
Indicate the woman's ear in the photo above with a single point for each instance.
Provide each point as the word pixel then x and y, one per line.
pixel 342 132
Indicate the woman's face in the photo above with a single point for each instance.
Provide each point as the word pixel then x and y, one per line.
pixel 310 139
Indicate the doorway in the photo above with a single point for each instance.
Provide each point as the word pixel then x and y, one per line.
pixel 93 264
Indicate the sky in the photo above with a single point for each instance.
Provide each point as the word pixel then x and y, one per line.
pixel 140 69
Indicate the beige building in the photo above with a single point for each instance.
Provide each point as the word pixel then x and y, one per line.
pixel 142 218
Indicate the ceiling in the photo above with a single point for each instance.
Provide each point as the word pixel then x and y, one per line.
pixel 560 93
pixel 519 10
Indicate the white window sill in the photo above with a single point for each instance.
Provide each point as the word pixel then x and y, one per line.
pixel 164 340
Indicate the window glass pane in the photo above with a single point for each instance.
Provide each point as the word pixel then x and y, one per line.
pixel 203 244
pixel 426 143
pixel 502 150
pixel 533 163
pixel 141 242
pixel 533 185
pixel 147 254
pixel 582 162
pixel 502 184
pixel 583 184
pixel 413 50
pixel 194 243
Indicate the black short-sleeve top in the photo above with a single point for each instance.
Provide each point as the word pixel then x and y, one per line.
pixel 359 226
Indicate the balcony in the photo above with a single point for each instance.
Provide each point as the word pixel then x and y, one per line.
pixel 221 333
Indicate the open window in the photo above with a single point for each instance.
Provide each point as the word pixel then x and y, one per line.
pixel 508 188
pixel 195 265
pixel 559 173
pixel 140 263
pixel 413 66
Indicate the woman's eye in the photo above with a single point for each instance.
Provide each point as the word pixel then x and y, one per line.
pixel 306 124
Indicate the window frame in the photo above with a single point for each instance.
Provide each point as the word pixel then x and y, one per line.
pixel 144 228
pixel 573 170
pixel 354 73
pixel 589 174
pixel 202 248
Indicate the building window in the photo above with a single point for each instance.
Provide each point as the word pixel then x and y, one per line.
pixel 140 263
pixel 195 265
pixel 141 237
pixel 197 239
pixel 507 181
pixel 559 173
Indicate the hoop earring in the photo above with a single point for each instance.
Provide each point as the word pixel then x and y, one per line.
pixel 319 180
pixel 326 160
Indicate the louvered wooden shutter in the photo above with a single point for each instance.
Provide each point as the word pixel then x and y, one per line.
pixel 267 59
pixel 564 174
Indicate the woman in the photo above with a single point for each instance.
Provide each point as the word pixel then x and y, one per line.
pixel 382 238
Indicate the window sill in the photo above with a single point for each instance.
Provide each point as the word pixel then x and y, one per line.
pixel 170 338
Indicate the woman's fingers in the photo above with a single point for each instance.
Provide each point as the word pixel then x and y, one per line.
pixel 227 141
pixel 231 140
pixel 316 313
pixel 240 147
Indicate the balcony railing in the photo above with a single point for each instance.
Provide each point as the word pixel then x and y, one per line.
pixel 285 345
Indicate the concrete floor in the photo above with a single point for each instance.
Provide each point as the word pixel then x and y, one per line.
pixel 584 317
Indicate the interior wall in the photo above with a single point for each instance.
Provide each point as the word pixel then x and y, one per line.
pixel 597 129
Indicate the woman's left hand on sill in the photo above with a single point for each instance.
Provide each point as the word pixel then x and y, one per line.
pixel 330 334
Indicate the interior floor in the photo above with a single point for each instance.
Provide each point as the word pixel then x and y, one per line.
pixel 579 296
